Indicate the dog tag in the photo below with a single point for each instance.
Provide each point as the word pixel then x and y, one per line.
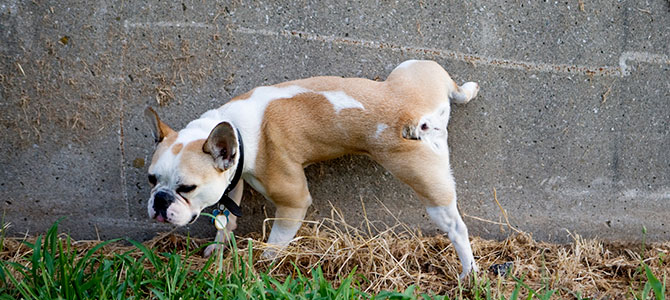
pixel 220 221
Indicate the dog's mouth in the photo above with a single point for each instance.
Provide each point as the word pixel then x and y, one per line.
pixel 171 208
pixel 161 217
pixel 193 219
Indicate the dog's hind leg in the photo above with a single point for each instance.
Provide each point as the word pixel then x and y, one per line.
pixel 443 211
pixel 450 221
pixel 464 93
pixel 429 174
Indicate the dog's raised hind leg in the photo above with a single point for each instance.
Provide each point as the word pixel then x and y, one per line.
pixel 464 93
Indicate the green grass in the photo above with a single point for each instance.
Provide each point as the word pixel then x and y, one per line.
pixel 55 270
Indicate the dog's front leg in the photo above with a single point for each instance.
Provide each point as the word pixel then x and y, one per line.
pixel 218 243
pixel 291 197
pixel 222 235
pixel 286 224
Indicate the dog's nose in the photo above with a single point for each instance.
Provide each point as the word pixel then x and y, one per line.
pixel 162 201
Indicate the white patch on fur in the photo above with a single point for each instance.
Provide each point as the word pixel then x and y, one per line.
pixel 282 233
pixel 464 93
pixel 340 100
pixel 449 220
pixel 380 128
pixel 280 236
pixel 405 64
pixel 432 129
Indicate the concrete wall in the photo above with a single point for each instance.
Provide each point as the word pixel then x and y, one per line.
pixel 571 126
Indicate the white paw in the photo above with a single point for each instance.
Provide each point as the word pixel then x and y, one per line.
pixel 471 89
pixel 271 254
pixel 213 247
pixel 469 270
pixel 465 93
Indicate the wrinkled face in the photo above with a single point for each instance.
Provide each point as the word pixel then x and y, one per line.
pixel 184 181
pixel 190 169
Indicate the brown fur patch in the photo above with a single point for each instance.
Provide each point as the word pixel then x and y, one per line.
pixel 165 130
pixel 164 146
pixel 177 148
pixel 197 164
pixel 305 129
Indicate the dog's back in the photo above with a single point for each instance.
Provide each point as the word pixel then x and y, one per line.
pixel 332 116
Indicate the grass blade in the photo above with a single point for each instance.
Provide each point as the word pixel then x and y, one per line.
pixel 654 283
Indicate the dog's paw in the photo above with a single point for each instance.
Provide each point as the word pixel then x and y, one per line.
pixel 212 248
pixel 471 89
pixel 465 93
pixel 271 253
pixel 467 271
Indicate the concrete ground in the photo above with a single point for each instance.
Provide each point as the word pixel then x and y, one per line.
pixel 570 130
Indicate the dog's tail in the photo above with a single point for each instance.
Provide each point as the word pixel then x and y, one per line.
pixel 464 93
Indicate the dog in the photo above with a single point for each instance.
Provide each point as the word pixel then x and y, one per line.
pixel 266 137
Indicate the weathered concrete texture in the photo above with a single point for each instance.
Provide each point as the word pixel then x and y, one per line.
pixel 571 127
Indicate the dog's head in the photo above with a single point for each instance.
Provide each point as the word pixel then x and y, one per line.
pixel 190 170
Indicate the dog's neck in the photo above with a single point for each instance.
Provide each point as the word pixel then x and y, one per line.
pixel 225 200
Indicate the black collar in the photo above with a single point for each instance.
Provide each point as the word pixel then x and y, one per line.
pixel 225 200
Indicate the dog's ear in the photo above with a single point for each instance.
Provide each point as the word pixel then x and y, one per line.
pixel 159 130
pixel 222 145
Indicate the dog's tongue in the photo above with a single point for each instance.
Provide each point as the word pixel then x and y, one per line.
pixel 160 218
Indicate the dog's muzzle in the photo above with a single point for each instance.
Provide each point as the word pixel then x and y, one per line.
pixel 162 201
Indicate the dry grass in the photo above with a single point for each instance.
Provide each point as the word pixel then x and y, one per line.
pixel 397 257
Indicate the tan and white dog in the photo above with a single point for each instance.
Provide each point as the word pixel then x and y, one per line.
pixel 401 123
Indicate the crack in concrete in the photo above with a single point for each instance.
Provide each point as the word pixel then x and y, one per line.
pixel 127 24
pixel 124 181
pixel 614 71
pixel 644 57
pixel 122 109
pixel 622 70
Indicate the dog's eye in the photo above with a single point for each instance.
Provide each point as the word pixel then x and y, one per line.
pixel 152 179
pixel 183 189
